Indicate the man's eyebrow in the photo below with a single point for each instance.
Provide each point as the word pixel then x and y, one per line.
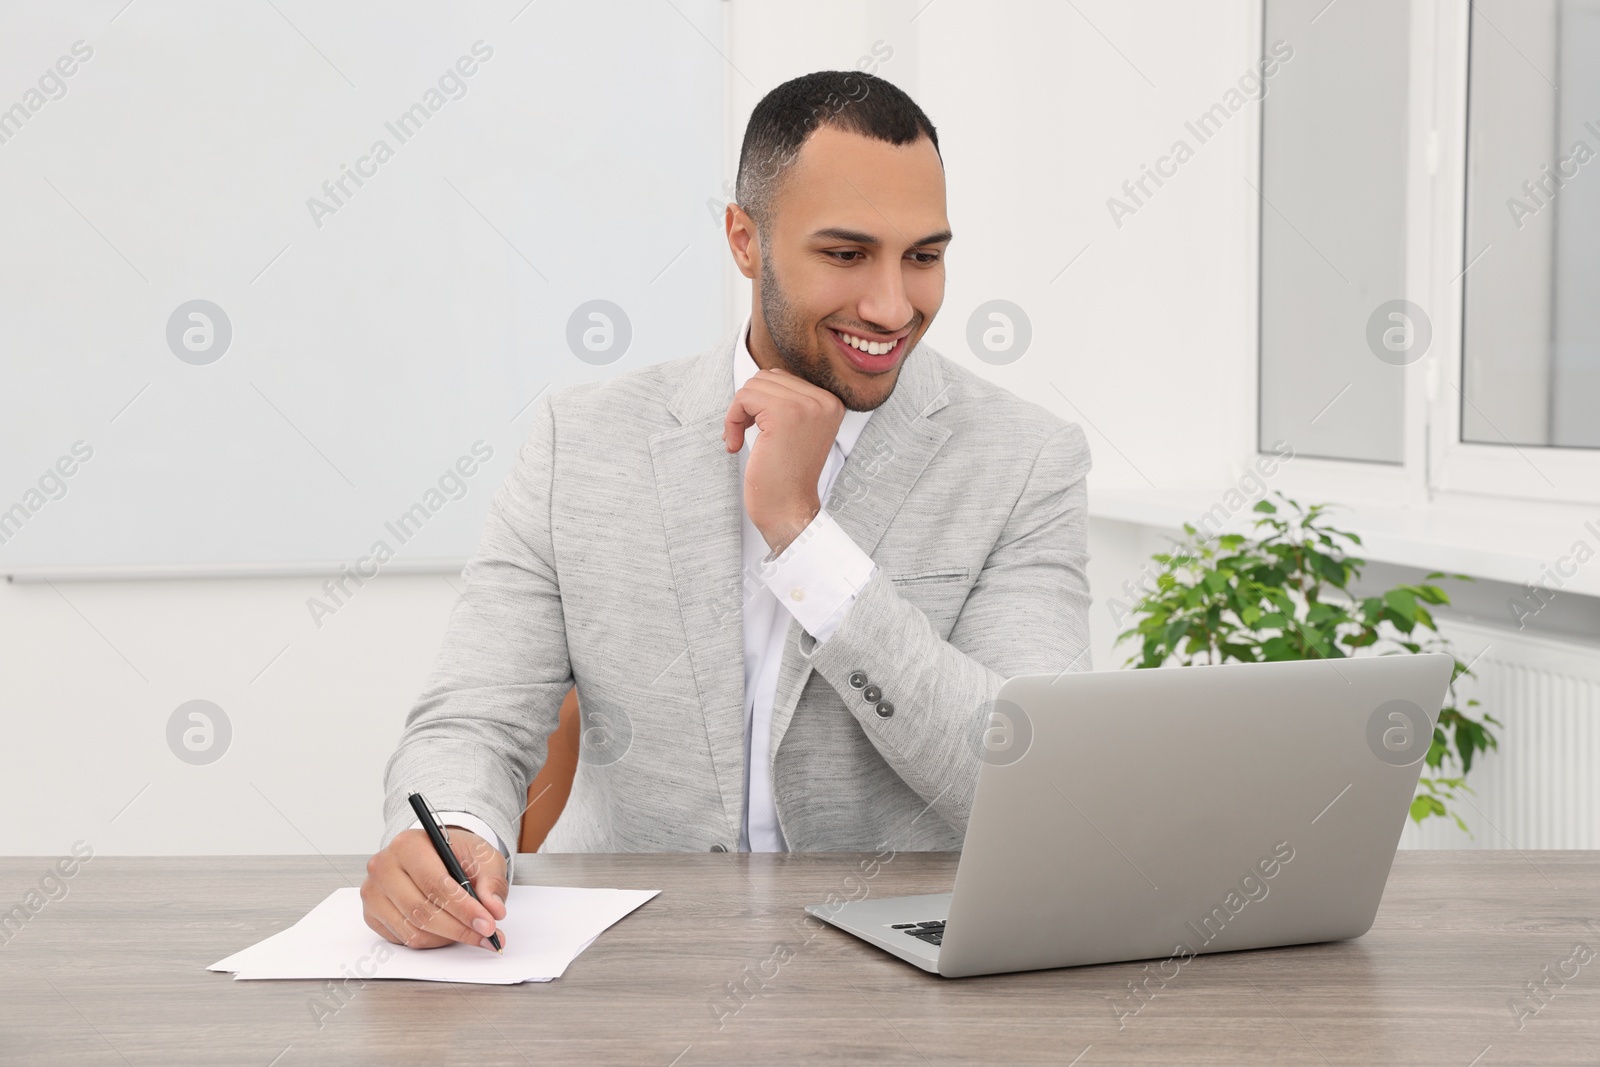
pixel 859 238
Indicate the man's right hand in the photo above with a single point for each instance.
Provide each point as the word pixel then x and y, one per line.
pixel 410 899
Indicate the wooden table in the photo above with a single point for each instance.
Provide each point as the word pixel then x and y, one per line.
pixel 724 967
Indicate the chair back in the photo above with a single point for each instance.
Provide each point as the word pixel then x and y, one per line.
pixel 548 792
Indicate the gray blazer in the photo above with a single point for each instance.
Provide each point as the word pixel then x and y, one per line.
pixel 611 558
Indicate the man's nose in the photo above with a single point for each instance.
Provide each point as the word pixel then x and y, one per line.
pixel 886 305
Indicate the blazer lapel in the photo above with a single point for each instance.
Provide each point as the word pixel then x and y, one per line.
pixel 894 448
pixel 702 508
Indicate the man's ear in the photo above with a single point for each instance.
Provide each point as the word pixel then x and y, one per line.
pixel 743 240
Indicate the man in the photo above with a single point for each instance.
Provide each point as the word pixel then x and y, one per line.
pixel 759 671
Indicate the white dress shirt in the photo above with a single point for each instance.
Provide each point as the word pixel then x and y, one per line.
pixel 815 579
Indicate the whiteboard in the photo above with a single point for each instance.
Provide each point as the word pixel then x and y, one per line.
pixel 276 275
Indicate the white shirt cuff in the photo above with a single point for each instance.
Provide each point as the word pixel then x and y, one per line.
pixel 467 822
pixel 818 575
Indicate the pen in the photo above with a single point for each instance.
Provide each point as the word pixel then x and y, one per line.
pixel 441 845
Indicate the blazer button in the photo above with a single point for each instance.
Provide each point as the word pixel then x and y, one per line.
pixel 884 709
pixel 872 694
pixel 719 847
pixel 857 679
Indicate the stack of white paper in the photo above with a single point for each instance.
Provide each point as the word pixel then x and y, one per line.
pixel 545 929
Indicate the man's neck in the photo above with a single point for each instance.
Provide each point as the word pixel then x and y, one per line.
pixel 759 344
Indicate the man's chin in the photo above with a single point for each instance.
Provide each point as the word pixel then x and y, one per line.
pixel 873 397
pixel 856 389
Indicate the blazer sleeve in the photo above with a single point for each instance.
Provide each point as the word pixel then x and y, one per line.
pixel 1027 613
pixel 477 734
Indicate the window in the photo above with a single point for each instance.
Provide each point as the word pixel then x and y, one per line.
pixel 1531 333
pixel 1333 227
pixel 1429 200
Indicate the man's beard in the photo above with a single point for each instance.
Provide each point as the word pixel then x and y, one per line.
pixel 791 336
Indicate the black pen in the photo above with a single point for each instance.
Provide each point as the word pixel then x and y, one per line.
pixel 441 845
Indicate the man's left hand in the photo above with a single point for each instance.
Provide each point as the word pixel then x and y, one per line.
pixel 798 423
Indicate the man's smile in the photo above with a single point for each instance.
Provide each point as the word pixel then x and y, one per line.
pixel 867 353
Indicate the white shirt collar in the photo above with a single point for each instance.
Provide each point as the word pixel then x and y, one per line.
pixel 744 368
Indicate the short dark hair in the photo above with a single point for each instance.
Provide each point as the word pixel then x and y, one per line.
pixel 844 99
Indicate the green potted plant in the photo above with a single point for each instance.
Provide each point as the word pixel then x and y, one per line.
pixel 1285 595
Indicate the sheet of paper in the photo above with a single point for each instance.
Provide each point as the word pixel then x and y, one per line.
pixel 545 927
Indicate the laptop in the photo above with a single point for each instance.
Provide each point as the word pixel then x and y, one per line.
pixel 1149 814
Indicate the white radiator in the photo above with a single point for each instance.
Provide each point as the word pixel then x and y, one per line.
pixel 1541 789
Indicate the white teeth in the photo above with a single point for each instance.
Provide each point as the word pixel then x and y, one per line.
pixel 871 348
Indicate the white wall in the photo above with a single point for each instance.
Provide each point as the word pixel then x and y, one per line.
pixel 93 671
pixel 1043 109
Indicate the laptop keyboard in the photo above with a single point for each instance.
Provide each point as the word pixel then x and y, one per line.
pixel 932 932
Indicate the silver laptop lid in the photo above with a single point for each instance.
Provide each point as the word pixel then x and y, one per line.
pixel 1141 814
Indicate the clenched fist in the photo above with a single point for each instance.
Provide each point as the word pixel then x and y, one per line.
pixel 798 423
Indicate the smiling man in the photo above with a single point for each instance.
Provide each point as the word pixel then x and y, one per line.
pixel 757 669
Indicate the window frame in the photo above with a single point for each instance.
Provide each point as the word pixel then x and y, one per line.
pixel 1436 463
pixel 1438 236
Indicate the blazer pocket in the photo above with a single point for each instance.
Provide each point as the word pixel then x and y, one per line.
pixel 941 574
pixel 938 593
